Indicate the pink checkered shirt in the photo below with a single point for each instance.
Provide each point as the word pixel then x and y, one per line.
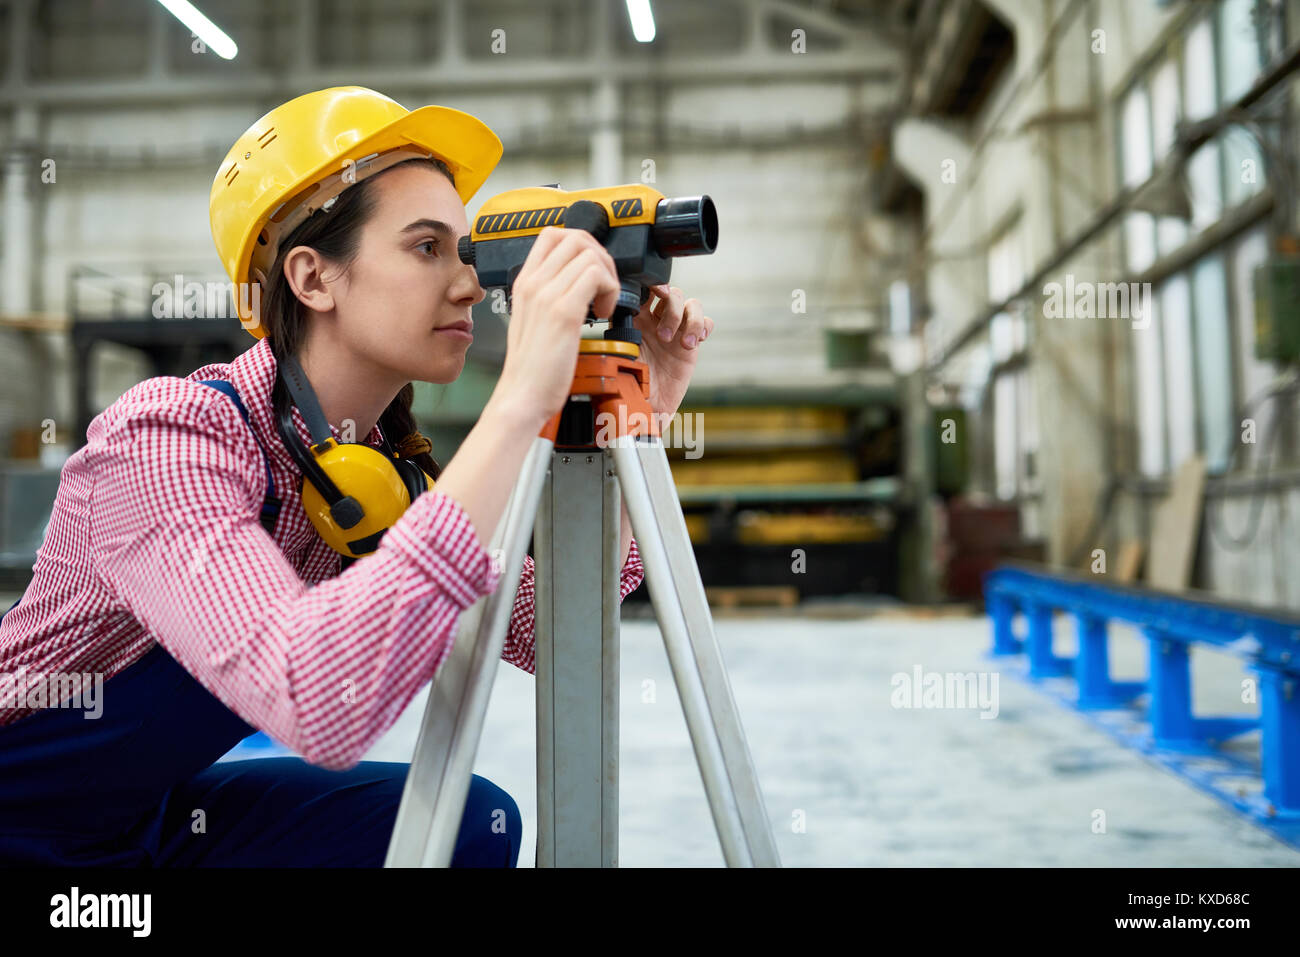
pixel 155 537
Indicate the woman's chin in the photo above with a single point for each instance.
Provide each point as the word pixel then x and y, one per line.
pixel 446 370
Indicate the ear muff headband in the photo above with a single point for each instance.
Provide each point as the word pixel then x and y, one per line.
pixel 344 510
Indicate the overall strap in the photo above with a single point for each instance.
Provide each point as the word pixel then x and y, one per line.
pixel 270 507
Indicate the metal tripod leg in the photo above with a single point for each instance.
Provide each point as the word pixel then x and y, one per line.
pixel 577 630
pixel 578 731
pixel 681 607
pixel 437 785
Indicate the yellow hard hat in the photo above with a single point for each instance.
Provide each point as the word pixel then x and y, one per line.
pixel 306 151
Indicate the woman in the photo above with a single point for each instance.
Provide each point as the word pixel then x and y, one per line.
pixel 210 612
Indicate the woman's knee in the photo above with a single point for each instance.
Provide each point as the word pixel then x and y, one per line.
pixel 491 829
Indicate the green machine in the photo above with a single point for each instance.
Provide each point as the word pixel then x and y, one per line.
pixel 1277 310
pixel 951 449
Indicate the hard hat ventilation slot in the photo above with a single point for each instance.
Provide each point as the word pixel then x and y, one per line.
pixel 231 173
pixel 288 207
pixel 264 140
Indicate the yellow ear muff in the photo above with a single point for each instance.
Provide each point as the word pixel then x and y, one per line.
pixel 366 475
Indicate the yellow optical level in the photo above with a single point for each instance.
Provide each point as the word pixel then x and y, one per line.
pixel 642 230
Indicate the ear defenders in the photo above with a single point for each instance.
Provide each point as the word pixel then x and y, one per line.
pixel 352 493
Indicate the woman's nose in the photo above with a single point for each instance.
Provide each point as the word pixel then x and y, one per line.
pixel 467 286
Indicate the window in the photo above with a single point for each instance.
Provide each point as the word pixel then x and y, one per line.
pixel 1249 251
pixel 1194 364
pixel 1148 373
pixel 1135 169
pixel 1253 375
pixel 1171 232
pixel 1239 41
pixel 1180 394
pixel 900 307
pixel 1213 360
pixel 1199 98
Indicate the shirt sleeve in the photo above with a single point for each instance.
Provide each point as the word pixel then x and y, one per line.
pixel 326 669
pixel 521 640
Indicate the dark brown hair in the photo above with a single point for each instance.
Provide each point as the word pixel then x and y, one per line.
pixel 335 233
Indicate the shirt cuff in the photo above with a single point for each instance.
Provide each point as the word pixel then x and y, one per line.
pixel 436 534
pixel 633 572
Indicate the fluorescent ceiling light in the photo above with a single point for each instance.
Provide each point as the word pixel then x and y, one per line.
pixel 207 31
pixel 643 20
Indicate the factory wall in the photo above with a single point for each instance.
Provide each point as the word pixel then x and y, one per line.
pixel 786 265
pixel 1067 404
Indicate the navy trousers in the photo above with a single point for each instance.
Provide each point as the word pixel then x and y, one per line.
pixel 138 787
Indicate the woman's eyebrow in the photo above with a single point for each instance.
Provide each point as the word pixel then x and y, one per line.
pixel 435 225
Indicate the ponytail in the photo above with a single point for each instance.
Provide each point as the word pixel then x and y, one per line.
pixel 399 427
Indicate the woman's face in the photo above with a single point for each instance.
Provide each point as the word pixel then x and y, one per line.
pixel 407 283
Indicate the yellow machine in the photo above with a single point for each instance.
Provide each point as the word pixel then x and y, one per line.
pixel 641 229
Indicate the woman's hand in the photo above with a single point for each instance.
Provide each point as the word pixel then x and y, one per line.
pixel 672 329
pixel 564 272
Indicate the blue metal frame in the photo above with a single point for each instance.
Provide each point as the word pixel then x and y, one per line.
pixel 1165 730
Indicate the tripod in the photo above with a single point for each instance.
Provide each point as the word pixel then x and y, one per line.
pixel 569 493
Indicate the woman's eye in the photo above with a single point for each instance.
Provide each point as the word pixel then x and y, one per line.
pixel 431 243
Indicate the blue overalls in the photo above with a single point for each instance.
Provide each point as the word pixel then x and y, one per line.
pixel 137 786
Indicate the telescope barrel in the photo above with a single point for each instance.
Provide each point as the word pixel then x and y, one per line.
pixel 686 226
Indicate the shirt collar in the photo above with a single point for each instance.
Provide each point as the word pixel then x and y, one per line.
pixel 253 375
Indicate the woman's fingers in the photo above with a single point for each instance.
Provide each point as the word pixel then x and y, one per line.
pixel 552 250
pixel 667 312
pixel 590 274
pixel 673 316
pixel 550 263
pixel 694 323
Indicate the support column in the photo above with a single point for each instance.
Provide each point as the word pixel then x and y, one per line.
pixel 1003 612
pixel 606 156
pixel 606 137
pixel 1092 668
pixel 1170 680
pixel 1173 725
pixel 1279 713
pixel 21 166
pixel 1043 663
pixel 452 28
pixel 306 18
pixel 577 655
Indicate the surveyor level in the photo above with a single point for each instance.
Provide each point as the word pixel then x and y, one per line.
pixel 569 492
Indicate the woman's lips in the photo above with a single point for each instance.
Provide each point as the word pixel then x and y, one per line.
pixel 458 330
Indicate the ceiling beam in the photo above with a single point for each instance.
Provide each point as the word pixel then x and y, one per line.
pixel 877 32
pixel 488 75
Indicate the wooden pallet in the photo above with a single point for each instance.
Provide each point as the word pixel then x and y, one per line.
pixel 781 596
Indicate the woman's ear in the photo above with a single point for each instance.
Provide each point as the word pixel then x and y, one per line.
pixel 303 270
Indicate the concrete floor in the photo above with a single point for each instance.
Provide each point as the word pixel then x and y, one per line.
pixel 876 785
